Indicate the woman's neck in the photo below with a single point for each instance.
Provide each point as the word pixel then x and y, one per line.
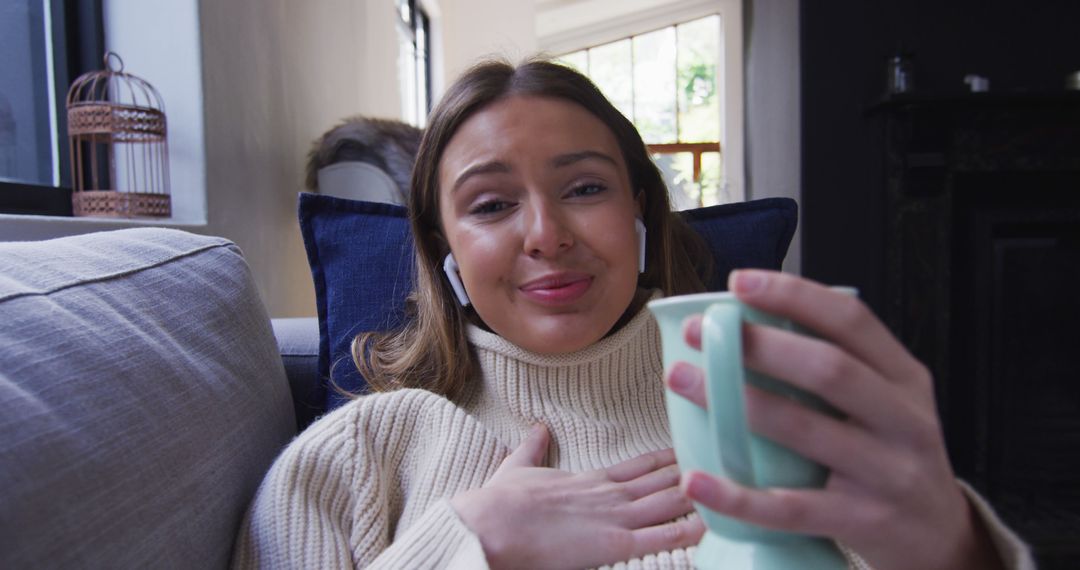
pixel 641 296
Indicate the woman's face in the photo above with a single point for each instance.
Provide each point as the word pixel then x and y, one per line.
pixel 537 207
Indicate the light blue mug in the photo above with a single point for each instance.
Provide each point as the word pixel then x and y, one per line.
pixel 718 440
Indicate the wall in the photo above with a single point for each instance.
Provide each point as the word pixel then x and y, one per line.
pixel 844 45
pixel 277 74
pixel 159 43
pixel 773 114
pixel 473 29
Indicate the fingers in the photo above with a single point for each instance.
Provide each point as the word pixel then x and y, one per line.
pixel 824 439
pixel 678 534
pixel 531 451
pixel 657 508
pixel 688 381
pixel 653 482
pixel 849 383
pixel 837 316
pixel 640 465
pixel 692 331
pixel 655 498
pixel 801 511
pixel 823 369
pixel 838 445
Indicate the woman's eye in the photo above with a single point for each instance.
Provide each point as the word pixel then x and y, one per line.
pixel 489 207
pixel 587 189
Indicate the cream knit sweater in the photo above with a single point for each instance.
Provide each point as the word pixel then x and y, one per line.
pixel 369 484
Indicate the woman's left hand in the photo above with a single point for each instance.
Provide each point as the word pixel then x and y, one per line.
pixel 892 496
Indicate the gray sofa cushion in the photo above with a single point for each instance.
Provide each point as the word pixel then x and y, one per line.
pixel 142 398
pixel 298 343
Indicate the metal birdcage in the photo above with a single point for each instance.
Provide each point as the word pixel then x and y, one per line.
pixel 119 152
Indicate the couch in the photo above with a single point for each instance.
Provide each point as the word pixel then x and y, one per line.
pixel 142 398
pixel 144 389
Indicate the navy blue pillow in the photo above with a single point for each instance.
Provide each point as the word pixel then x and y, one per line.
pixel 361 260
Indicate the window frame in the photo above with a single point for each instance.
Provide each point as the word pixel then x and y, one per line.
pixel 419 21
pixel 78 40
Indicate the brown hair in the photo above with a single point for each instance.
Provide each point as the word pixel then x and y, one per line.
pixel 432 351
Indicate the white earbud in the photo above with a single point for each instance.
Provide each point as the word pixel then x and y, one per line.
pixel 640 227
pixel 450 266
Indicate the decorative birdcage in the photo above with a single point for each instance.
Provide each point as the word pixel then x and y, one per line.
pixel 119 152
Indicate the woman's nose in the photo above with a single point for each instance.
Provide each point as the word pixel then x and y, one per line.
pixel 547 233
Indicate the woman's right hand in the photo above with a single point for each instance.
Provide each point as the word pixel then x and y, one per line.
pixel 538 517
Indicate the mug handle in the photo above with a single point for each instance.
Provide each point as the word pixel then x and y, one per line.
pixel 729 432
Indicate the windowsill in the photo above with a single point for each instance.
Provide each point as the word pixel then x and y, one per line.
pixel 19 227
pixel 92 220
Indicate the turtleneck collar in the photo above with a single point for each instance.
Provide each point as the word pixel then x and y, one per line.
pixel 602 404
pixel 486 340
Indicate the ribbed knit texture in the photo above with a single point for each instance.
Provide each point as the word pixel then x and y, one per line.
pixel 370 483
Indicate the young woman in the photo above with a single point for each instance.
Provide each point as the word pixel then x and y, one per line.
pixel 519 420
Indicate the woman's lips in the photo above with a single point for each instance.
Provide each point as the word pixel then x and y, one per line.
pixel 561 289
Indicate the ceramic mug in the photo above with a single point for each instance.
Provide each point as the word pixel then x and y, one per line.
pixel 718 440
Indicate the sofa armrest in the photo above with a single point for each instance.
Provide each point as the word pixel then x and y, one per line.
pixel 298 343
pixel 142 399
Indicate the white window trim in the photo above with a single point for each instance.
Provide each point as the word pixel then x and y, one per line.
pixel 564 27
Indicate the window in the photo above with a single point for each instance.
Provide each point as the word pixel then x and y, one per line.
pixel 668 82
pixel 44 45
pixel 414 68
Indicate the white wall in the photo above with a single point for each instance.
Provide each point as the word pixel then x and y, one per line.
pixel 773 113
pixel 474 29
pixel 159 42
pixel 277 74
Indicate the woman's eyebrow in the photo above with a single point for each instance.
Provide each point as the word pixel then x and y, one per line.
pixel 571 158
pixel 493 166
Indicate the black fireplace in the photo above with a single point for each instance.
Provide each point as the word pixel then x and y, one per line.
pixel 982 264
